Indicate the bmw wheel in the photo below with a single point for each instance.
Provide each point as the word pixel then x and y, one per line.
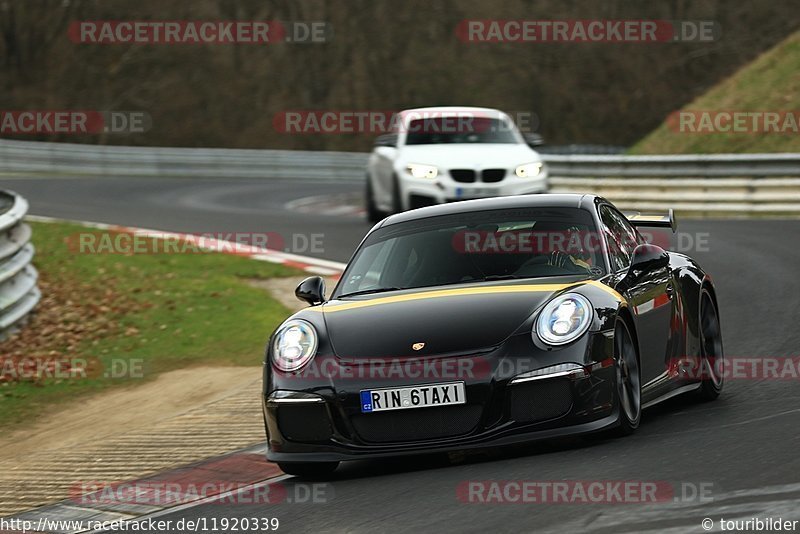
pixel 374 215
pixel 397 202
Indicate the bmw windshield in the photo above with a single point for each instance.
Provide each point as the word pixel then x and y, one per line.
pixel 460 129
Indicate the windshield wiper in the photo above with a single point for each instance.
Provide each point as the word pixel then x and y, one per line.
pixel 493 277
pixel 370 291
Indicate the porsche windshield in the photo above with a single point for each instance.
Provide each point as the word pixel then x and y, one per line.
pixel 473 247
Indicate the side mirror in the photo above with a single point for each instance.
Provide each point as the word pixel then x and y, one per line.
pixel 389 140
pixel 533 139
pixel 311 290
pixel 647 257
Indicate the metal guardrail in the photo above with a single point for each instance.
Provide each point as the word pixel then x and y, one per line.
pixel 18 291
pixel 729 184
pixel 581 149
pixel 709 184
pixel 91 160
pixel 682 165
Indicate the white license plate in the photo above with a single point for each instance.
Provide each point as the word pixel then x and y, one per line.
pixel 380 400
pixel 475 192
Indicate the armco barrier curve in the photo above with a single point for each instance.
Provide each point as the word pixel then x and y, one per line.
pixel 712 184
pixel 18 291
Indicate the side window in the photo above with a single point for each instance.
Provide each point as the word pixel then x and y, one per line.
pixel 620 236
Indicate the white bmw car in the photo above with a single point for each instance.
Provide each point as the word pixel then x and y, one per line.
pixel 445 154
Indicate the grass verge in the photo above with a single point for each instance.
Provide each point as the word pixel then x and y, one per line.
pixel 119 319
pixel 770 83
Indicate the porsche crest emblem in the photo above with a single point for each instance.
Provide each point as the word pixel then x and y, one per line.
pixel 418 346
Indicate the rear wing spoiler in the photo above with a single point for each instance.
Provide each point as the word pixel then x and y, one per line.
pixel 653 220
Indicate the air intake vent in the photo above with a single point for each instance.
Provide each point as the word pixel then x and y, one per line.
pixel 493 175
pixel 540 400
pixel 417 424
pixel 465 176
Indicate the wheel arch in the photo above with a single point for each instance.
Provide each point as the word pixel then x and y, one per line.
pixel 708 284
pixel 689 279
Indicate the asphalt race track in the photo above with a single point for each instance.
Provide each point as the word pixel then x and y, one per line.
pixel 743 446
pixel 202 206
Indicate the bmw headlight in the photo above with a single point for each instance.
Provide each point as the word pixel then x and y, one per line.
pixel 418 170
pixel 564 319
pixel 294 345
pixel 529 170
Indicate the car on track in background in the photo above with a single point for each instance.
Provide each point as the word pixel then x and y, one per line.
pixel 489 322
pixel 443 154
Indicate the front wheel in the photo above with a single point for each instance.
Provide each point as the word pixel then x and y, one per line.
pixel 711 355
pixel 310 470
pixel 374 215
pixel 397 200
pixel 629 380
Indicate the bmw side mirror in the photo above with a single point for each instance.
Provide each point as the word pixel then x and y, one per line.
pixel 533 139
pixel 389 140
pixel 311 290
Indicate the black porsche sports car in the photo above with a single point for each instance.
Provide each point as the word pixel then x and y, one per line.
pixel 489 322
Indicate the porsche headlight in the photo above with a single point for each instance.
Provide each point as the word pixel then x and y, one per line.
pixel 564 319
pixel 418 170
pixel 294 345
pixel 529 170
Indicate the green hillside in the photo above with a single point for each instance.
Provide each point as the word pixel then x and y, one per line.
pixel 769 86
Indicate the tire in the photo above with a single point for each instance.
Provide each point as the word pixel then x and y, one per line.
pixel 397 202
pixel 711 353
pixel 374 215
pixel 629 379
pixel 309 470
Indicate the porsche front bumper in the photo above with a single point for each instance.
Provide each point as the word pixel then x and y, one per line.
pixel 325 423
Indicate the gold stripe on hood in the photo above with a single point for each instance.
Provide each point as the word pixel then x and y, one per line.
pixel 423 295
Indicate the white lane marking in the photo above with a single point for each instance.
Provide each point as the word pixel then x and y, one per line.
pixel 756 419
pixel 727 425
pixel 767 501
pixel 333 205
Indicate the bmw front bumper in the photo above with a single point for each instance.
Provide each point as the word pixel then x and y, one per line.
pixel 444 188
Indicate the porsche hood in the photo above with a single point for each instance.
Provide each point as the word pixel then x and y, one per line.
pixel 432 321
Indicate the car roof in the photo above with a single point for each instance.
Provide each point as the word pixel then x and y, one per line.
pixel 450 111
pixel 548 200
